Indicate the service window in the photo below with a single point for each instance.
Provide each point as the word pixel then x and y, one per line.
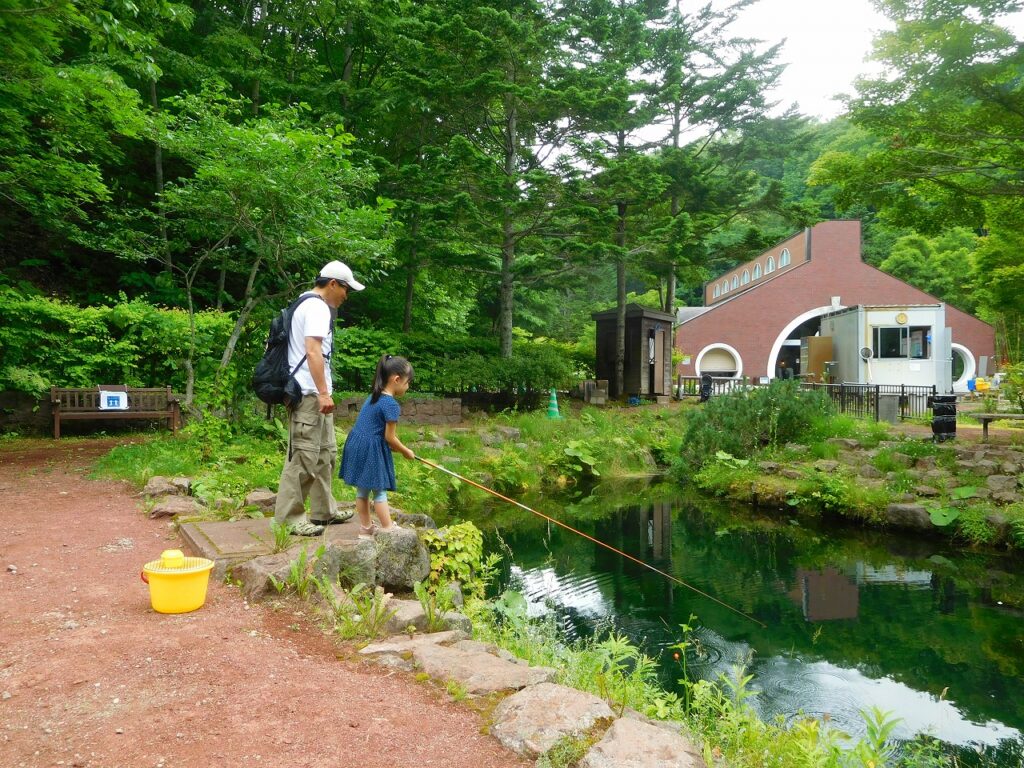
pixel 891 342
pixel 903 342
pixel 920 342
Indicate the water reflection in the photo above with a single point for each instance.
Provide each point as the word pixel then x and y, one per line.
pixel 854 620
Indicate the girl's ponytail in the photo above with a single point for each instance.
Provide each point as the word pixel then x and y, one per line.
pixel 388 366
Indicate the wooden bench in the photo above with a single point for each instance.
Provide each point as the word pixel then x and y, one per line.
pixel 143 403
pixel 985 418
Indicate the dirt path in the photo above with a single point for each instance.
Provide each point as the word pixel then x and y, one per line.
pixel 91 676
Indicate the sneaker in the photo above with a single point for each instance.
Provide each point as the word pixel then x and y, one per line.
pixel 339 516
pixel 368 532
pixel 306 528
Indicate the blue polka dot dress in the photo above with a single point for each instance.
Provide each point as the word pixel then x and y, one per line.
pixel 366 460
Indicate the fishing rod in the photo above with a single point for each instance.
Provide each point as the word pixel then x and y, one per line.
pixel 568 527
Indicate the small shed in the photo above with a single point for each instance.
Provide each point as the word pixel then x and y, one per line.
pixel 647 368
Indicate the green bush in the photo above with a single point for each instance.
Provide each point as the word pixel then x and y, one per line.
pixel 742 422
pixel 47 342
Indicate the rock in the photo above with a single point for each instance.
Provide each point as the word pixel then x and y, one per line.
pixel 1000 525
pixel 826 465
pixel 449 460
pixel 476 671
pixel 844 442
pixel 870 471
pixel 161 486
pixel 400 644
pixel 257 575
pixel 491 439
pixel 454 590
pixel 633 744
pixel 458 621
pixel 509 433
pixel 1006 497
pixel 926 490
pixel 902 460
pixel 413 519
pixel 183 484
pixel 910 516
pixel 169 506
pixel 985 467
pixel 261 498
pixel 348 562
pixel 791 473
pixel 768 467
pixel 408 613
pixel 796 448
pixel 12 568
pixel 532 721
pixel 1001 483
pixel 1009 468
pixel 939 477
pixel 925 462
pixel 5 695
pixel 402 559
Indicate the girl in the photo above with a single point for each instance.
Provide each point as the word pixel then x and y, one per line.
pixel 366 461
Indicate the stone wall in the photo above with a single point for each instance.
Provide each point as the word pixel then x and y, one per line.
pixel 414 410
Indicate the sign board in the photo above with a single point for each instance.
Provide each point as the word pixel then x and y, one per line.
pixel 113 401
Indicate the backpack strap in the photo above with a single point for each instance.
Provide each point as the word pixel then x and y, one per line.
pixel 291 313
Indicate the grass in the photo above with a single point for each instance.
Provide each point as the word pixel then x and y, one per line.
pixel 719 715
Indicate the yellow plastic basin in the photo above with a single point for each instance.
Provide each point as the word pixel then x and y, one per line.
pixel 177 584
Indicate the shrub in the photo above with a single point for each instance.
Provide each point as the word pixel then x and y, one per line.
pixel 742 422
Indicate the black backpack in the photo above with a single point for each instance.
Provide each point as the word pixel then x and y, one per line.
pixel 273 381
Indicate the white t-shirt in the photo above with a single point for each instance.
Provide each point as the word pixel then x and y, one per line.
pixel 312 318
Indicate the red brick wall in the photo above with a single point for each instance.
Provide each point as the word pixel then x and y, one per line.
pixel 751 321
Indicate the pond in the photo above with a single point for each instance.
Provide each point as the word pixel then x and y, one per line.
pixel 853 619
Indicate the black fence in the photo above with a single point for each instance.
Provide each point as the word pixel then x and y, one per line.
pixel 875 401
pixel 879 401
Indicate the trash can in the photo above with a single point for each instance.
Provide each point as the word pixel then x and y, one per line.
pixel 706 385
pixel 889 408
pixel 943 418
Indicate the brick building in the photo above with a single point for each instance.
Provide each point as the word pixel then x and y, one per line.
pixel 755 315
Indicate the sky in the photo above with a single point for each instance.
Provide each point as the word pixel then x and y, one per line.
pixel 826 45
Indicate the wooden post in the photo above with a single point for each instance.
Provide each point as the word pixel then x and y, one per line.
pixel 55 405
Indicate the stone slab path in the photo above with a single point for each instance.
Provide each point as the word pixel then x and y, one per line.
pixel 91 676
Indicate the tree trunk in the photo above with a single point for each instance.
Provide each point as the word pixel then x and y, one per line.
pixel 506 293
pixel 243 316
pixel 620 303
pixel 670 277
pixel 410 274
pixel 158 173
pixel 410 284
pixel 222 279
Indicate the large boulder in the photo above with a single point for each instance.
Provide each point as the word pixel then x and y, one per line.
pixel 257 576
pixel 348 562
pixel 402 559
pixel 633 744
pixel 170 506
pixel 532 721
pixel 167 486
pixel 477 671
pixel 910 516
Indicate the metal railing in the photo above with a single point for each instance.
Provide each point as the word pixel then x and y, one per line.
pixel 863 400
pixel 868 400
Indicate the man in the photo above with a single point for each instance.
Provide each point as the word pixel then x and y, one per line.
pixel 312 447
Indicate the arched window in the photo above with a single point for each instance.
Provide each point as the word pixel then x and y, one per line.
pixel 718 291
pixel 770 266
pixel 725 286
pixel 784 258
pixel 735 282
pixel 757 271
pixel 746 277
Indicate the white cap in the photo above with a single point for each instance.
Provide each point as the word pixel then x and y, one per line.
pixel 341 272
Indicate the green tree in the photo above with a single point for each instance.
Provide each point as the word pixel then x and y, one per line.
pixel 273 195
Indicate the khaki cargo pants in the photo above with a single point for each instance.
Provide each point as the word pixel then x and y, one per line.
pixel 310 466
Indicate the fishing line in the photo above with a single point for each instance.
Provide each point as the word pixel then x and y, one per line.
pixel 568 527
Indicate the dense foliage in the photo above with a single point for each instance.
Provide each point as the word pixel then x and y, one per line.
pixel 740 422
